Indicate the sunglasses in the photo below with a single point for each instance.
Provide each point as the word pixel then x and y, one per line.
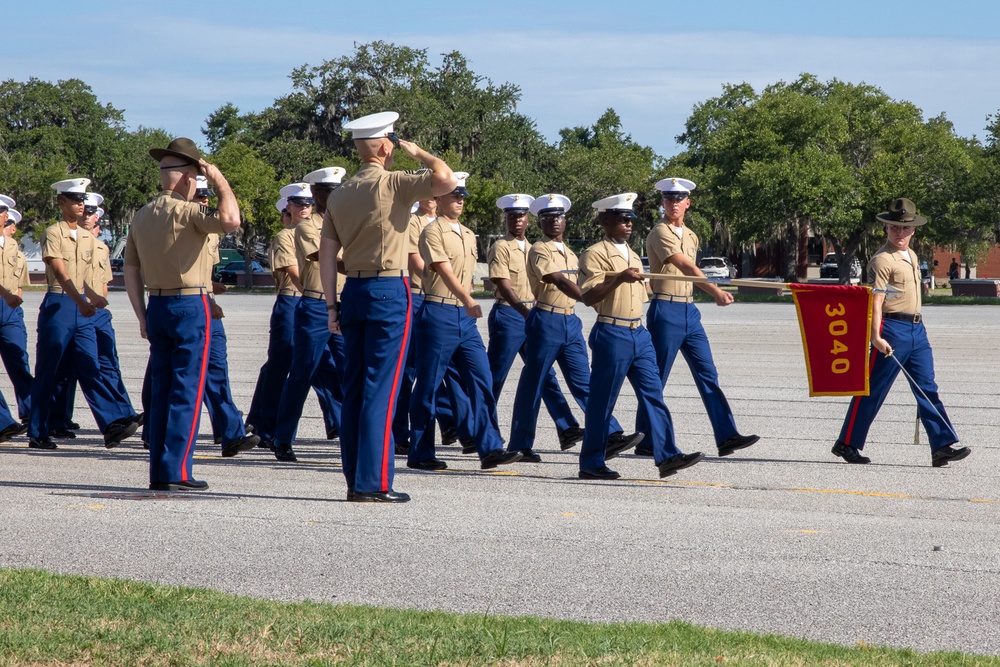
pixel 673 197
pixel 301 201
pixel 90 210
pixel 75 196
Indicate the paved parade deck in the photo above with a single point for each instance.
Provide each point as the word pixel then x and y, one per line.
pixel 782 537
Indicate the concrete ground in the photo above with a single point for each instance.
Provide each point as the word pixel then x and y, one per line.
pixel 782 537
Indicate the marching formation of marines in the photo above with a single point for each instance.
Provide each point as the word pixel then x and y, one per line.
pixel 374 311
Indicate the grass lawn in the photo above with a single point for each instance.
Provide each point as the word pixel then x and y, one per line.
pixel 47 619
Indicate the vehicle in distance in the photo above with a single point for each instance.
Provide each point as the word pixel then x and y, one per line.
pixel 828 269
pixel 717 268
pixel 230 274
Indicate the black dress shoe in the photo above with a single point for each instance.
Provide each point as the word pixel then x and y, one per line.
pixel 734 442
pixel 145 445
pixel 350 493
pixel 402 450
pixel 139 418
pixel 41 444
pixel 449 436
pixel 284 453
pixel 11 431
pixel 529 456
pixel 678 462
pixel 118 430
pixel 942 457
pixel 22 428
pixel 332 434
pixel 61 433
pixel 266 443
pixel 849 454
pixel 240 445
pixel 73 426
pixel 469 446
pixel 643 450
pixel 217 439
pixel 619 442
pixel 250 428
pixel 379 497
pixel 570 437
pixel 428 464
pixel 604 472
pixel 499 457
pixel 189 485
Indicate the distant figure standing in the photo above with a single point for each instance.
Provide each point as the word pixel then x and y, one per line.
pixel 953 270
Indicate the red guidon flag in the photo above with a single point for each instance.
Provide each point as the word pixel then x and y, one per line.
pixel 835 321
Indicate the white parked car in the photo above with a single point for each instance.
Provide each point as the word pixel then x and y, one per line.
pixel 718 268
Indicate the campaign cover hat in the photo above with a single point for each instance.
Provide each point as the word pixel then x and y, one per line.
pixel 181 147
pixel 902 212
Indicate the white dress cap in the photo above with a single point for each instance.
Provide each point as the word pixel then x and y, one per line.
pixel 415 207
pixel 296 190
pixel 13 217
pixel 515 202
pixel 326 175
pixel 547 204
pixel 201 183
pixel 622 202
pixel 93 199
pixel 7 201
pixel 100 212
pixel 281 204
pixel 372 126
pixel 72 185
pixel 460 188
pixel 678 185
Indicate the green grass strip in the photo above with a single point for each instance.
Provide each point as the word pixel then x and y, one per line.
pixel 48 619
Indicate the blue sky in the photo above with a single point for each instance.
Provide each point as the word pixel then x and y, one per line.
pixel 169 65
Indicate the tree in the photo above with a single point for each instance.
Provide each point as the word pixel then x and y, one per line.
pixel 598 161
pixel 256 188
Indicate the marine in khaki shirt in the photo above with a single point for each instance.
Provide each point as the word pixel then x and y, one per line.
pixel 889 267
pixel 168 240
pixel 284 263
pixel 13 267
pixel 508 266
pixel 307 236
pixel 606 260
pixel 426 213
pixel 453 242
pixel 552 268
pixel 611 282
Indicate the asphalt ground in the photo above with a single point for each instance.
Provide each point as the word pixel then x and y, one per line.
pixel 782 537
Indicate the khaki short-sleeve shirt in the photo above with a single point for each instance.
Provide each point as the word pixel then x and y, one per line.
pixel 102 267
pixel 508 261
pixel 663 243
pixel 13 267
pixel 439 242
pixel 370 213
pixel 307 235
pixel 167 239
pixel 603 259
pixel 545 258
pixel 281 255
pixel 887 267
pixel 77 254
pixel 416 225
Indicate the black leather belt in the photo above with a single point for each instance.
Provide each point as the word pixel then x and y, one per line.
pixel 903 317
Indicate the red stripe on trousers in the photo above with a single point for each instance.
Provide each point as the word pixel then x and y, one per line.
pixel 386 457
pixel 856 401
pixel 193 434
